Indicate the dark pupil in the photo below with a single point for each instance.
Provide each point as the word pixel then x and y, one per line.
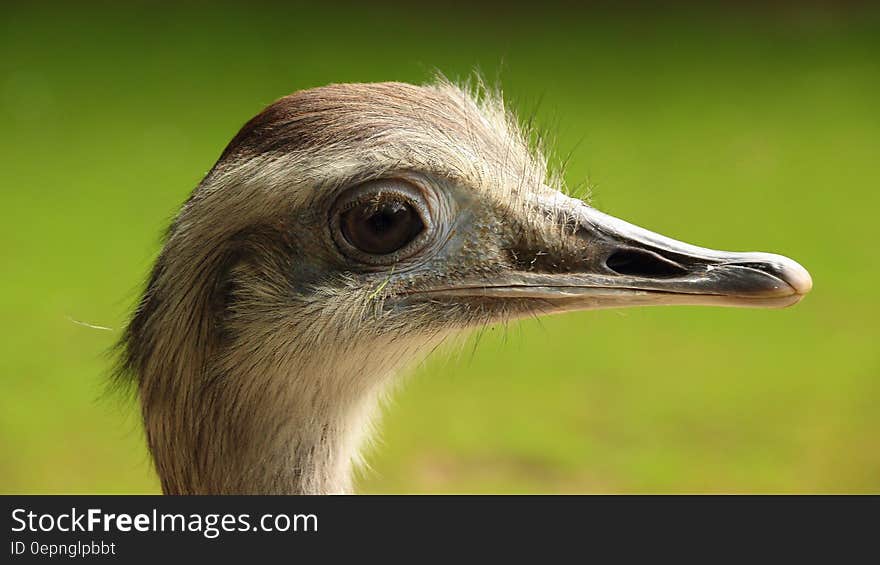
pixel 381 228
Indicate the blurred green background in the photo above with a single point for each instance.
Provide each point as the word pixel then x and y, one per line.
pixel 738 128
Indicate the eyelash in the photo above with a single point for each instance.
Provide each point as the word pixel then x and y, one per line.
pixel 361 199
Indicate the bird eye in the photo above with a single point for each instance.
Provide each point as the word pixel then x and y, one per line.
pixel 381 222
pixel 381 226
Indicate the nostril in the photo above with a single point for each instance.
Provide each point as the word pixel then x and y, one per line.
pixel 643 263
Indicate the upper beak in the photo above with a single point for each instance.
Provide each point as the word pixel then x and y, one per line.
pixel 620 264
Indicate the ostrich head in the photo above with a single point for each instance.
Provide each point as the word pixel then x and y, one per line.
pixel 343 234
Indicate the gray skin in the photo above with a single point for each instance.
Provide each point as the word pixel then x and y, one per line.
pixel 267 336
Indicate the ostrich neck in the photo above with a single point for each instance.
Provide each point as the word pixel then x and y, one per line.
pixel 278 427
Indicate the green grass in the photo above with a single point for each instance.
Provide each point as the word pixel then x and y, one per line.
pixel 743 130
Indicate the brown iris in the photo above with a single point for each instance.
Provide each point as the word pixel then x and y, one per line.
pixel 382 226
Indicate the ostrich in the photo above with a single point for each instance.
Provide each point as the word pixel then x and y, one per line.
pixel 343 234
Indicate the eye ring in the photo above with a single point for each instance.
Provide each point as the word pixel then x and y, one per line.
pixel 381 222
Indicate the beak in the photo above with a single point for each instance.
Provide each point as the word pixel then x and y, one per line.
pixel 615 264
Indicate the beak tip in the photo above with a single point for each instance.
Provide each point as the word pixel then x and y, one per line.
pixel 797 277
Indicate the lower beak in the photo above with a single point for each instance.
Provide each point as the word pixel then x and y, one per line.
pixel 620 264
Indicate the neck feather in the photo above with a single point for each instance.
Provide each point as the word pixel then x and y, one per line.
pixel 268 424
